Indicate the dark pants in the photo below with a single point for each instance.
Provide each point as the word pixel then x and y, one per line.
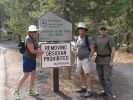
pixel 105 77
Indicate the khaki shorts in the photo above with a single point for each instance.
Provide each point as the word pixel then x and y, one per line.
pixel 83 66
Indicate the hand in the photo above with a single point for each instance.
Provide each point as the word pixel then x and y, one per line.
pixel 90 60
pixel 111 64
pixel 39 46
pixel 41 52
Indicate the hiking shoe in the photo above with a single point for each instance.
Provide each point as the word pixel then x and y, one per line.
pixel 16 95
pixel 103 93
pixel 82 90
pixel 112 97
pixel 88 94
pixel 33 93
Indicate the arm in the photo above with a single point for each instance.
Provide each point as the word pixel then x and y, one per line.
pixel 112 56
pixel 91 47
pixel 32 50
pixel 92 51
pixel 112 46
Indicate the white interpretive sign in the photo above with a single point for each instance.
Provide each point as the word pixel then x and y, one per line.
pixel 56 55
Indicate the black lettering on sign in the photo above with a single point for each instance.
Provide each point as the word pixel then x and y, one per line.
pixel 56 58
pixel 61 47
pixel 61 63
pixel 55 53
pixel 47 48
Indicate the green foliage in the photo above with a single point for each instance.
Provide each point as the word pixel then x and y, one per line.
pixel 116 14
pixel 2 15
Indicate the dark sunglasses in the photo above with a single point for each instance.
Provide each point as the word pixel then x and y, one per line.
pixel 103 29
pixel 33 32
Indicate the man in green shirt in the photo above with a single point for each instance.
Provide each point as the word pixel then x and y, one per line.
pixel 105 49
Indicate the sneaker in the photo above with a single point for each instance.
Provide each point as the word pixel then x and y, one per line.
pixel 103 93
pixel 16 95
pixel 112 97
pixel 33 93
pixel 88 94
pixel 82 90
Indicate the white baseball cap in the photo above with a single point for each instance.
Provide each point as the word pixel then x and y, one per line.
pixel 32 28
pixel 82 25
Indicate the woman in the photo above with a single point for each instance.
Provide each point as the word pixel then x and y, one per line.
pixel 29 62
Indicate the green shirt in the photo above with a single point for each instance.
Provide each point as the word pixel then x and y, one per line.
pixel 103 47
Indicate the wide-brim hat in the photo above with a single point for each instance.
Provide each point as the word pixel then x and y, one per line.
pixel 82 25
pixel 32 28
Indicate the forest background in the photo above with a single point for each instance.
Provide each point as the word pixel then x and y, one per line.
pixel 117 15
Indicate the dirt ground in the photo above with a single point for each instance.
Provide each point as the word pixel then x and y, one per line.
pixel 122 79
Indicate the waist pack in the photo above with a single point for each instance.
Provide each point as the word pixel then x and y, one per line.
pixel 21 47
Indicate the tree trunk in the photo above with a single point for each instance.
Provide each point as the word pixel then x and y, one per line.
pixel 66 13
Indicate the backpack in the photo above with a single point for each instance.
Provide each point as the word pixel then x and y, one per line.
pixel 21 47
pixel 87 42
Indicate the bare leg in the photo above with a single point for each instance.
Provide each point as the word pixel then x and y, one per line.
pixel 31 79
pixel 88 78
pixel 83 79
pixel 21 81
pixel 88 86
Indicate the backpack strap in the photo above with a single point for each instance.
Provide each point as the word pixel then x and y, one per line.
pixel 87 42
